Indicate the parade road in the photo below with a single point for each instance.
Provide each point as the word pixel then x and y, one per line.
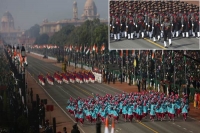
pixel 146 43
pixel 62 92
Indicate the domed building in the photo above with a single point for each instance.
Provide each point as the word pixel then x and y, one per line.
pixel 90 10
pixel 8 32
pixel 7 22
pixel 89 13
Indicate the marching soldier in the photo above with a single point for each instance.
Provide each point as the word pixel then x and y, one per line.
pixel 116 27
pixel 175 22
pixel 192 19
pixel 156 27
pixel 123 23
pixel 146 21
pixel 196 23
pixel 185 24
pixel 149 23
pixel 161 17
pixel 140 25
pixel 111 33
pixel 167 31
pixel 130 26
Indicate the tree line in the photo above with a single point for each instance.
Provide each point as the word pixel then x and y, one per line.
pixel 89 33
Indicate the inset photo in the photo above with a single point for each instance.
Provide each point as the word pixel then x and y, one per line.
pixel 163 25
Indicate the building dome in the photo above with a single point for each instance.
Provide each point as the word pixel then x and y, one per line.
pixel 90 9
pixel 75 3
pixel 7 17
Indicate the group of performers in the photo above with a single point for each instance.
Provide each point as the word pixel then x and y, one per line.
pixel 68 77
pixel 133 105
pixel 153 19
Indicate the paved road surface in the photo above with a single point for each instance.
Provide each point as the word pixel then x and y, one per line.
pixel 62 92
pixel 177 44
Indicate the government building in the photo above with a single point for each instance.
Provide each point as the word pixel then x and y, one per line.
pixel 8 33
pixel 89 13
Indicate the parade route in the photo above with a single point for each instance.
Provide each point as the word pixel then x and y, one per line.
pixel 61 92
pixel 147 43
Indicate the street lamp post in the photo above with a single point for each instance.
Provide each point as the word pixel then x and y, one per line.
pixel 18 51
pixel 23 54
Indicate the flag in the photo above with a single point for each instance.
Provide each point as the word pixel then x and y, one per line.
pixel 153 54
pixel 81 48
pixel 102 47
pixel 139 55
pixel 77 49
pixel 91 49
pixel 133 52
pixel 147 55
pixel 88 50
pixel 85 48
pixel 134 63
pixel 185 57
pixel 162 58
pixel 121 54
pixel 94 47
pixel 172 58
pixel 70 48
pixel 117 52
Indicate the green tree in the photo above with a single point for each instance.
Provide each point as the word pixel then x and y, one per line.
pixel 42 39
pixel 60 37
pixel 33 32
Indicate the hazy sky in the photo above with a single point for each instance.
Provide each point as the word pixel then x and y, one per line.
pixel 26 13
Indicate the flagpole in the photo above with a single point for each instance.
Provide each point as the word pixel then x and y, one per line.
pixel 155 72
pixel 148 68
pixel 140 67
pixel 174 73
pixel 134 69
pixel 122 67
pixel 185 70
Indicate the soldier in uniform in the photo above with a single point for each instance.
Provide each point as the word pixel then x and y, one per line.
pixel 175 22
pixel 149 23
pixel 140 25
pixel 111 33
pixel 196 23
pixel 156 27
pixel 185 24
pixel 116 27
pixel 167 31
pixel 192 19
pixel 123 23
pixel 130 26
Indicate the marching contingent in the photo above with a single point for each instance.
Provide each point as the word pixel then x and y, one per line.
pixel 153 19
pixel 138 105
pixel 67 77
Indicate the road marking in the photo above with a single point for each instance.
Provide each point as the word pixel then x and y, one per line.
pixel 178 125
pixel 58 105
pixel 154 43
pixel 82 90
pixel 184 128
pixel 173 123
pixel 147 127
pixel 191 131
pixel 112 87
pixel 66 92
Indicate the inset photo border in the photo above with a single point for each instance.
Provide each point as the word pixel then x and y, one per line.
pixel 167 25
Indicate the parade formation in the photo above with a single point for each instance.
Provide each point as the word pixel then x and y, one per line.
pixel 154 20
pixel 68 77
pixel 138 105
